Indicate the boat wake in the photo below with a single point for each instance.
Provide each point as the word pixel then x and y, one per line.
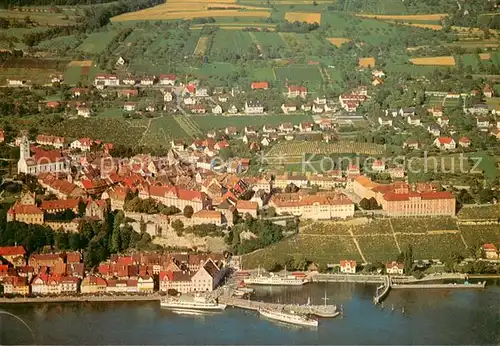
pixel 3 312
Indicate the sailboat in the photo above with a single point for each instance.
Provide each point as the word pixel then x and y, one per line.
pixel 326 310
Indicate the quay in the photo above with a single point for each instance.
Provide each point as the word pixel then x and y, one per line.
pixel 380 296
pixel 449 285
pixel 81 299
pixel 358 278
pixel 318 310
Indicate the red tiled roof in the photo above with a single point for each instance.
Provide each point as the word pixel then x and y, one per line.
pixel 294 88
pixel 246 205
pixel 168 76
pixel 392 196
pixel 26 209
pixel 343 263
pixel 489 247
pixel 46 156
pixel 208 214
pixel 12 251
pixel 445 140
pixel 464 140
pixel 260 85
pixel 60 204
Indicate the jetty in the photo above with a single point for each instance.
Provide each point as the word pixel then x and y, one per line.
pixel 357 278
pixel 318 310
pixel 382 291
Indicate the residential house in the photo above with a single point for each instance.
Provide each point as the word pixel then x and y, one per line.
pixel 106 80
pixel 378 74
pixel 434 130
pixel 168 79
pixel 217 109
pixel 167 96
pixel 92 284
pixel 443 121
pixel 286 127
pixel 288 108
pixel 83 111
pixel 128 93
pixel 201 92
pixel 129 80
pixel 414 120
pixel 231 131
pixel 445 143
pixel 130 106
pixel 259 85
pixel 490 251
pixel 378 166
pixel 394 268
pixel 348 266
pixel 77 92
pixel 306 127
pixel 254 107
pixel 391 112
pixel 406 112
pixel 250 130
pixel 483 123
pixel 247 207
pixel 14 255
pixel 207 216
pixel 436 111
pixel 464 142
pixel 190 101
pixel 385 121
pixel 377 81
pixel 145 284
pixel 297 91
pixel 232 110
pixel 488 91
pixel 147 80
pixel 207 277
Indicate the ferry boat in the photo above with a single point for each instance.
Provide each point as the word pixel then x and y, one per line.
pixel 275 280
pixel 288 317
pixel 197 303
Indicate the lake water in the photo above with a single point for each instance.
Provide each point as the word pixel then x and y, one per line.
pixel 431 317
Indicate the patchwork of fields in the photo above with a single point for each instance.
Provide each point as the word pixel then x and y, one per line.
pixel 434 61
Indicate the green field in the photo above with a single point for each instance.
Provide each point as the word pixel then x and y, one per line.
pixel 374 227
pixel 96 42
pixel 479 235
pixel 299 74
pixel 271 43
pixel 232 42
pixel 62 44
pixel 162 130
pixel 211 122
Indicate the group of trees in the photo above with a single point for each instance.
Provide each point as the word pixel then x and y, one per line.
pixel 148 206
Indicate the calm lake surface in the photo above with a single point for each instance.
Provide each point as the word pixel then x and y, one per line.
pixel 431 317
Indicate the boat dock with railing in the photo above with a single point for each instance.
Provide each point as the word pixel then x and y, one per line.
pixel 317 310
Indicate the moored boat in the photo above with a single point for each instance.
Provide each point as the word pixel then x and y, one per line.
pixel 197 303
pixel 288 317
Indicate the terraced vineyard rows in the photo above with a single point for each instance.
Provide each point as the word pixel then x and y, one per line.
pixel 188 125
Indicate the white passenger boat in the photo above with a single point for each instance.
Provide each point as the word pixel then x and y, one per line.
pixel 288 317
pixel 275 280
pixel 197 303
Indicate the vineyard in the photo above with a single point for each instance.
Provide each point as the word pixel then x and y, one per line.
pixel 378 247
pixel 476 235
pixel 326 228
pixel 188 125
pixel 436 246
pixel 380 226
pixel 423 224
pixel 484 212
pixel 341 147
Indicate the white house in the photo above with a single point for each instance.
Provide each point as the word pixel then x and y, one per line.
pixel 83 111
pixel 168 79
pixel 445 143
pixel 385 121
pixel 348 266
pixel 167 96
pixel 254 107
pixel 217 109
pixel 395 268
pixel 129 106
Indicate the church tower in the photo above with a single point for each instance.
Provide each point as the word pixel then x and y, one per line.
pixel 24 154
pixel 24 148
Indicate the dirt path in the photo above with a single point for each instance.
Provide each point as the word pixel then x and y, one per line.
pixel 357 246
pixel 394 236
pixel 462 237
pixel 256 42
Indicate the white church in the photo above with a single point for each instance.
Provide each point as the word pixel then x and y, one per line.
pixel 41 161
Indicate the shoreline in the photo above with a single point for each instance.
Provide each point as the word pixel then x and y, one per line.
pixel 79 299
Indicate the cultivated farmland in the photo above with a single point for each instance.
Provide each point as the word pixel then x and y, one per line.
pixel 303 17
pixel 417 17
pixel 367 62
pixel 338 41
pixel 200 46
pixel 177 9
pixel 231 41
pixel 298 73
pixel 97 42
pixel 212 122
pixel 434 61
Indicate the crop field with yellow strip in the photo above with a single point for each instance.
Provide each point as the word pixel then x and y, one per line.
pixel 434 61
pixel 177 9
pixel 237 26
pixel 338 41
pixel 422 17
pixel 200 46
pixel 485 56
pixel 367 62
pixel 309 17
pixel 80 63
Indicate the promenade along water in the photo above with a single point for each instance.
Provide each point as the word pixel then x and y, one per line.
pixel 431 317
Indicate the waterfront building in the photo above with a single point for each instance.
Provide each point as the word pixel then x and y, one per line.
pixel 490 251
pixel 16 285
pixel 394 268
pixel 145 284
pixel 93 284
pixel 14 255
pixel 348 266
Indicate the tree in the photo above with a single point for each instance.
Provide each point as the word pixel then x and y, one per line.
pixel 188 211
pixel 178 226
pixel 142 226
pixel 82 207
pixel 364 204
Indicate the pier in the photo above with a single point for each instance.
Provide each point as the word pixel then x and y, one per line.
pixel 358 278
pixel 380 296
pixel 318 310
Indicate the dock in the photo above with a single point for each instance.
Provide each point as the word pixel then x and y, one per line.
pixel 380 296
pixel 449 285
pixel 318 310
